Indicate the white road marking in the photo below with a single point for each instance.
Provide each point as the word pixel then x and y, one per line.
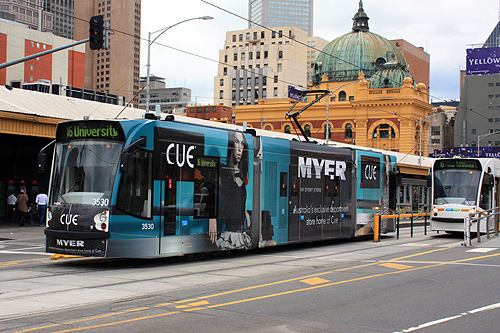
pixel 439 321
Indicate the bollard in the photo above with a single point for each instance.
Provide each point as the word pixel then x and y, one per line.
pixel 411 224
pixel 397 234
pixel 425 224
pixel 376 228
pixel 478 229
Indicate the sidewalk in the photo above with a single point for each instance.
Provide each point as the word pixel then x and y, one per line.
pixel 12 231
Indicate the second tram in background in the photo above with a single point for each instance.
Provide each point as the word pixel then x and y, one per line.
pixel 461 186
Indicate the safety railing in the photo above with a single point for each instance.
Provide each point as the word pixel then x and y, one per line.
pixel 477 217
pixel 378 218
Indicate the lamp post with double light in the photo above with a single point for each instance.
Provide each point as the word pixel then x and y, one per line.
pixel 161 31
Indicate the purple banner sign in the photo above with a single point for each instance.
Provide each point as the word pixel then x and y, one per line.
pixel 483 61
pixel 294 93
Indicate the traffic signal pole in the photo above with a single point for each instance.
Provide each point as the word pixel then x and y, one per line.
pixel 98 37
pixel 33 56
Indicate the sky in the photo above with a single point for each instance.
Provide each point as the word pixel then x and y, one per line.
pixel 187 54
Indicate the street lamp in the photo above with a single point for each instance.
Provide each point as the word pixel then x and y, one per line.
pixel 479 137
pixel 328 104
pixel 161 31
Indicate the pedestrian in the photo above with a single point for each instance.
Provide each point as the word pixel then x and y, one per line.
pixel 41 205
pixel 11 203
pixel 22 206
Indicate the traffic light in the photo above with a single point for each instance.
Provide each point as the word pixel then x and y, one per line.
pixel 96 29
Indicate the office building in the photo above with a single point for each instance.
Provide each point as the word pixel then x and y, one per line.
pixel 272 13
pixel 170 100
pixel 260 64
pixel 63 11
pixel 115 70
pixel 65 67
pixel 29 12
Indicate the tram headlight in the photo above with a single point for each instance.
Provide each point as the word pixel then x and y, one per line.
pixel 435 210
pixel 472 211
pixel 101 221
pixel 49 215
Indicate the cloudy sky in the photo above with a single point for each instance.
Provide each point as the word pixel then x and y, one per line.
pixel 187 54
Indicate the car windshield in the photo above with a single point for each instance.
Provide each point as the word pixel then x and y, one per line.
pixel 84 172
pixel 456 186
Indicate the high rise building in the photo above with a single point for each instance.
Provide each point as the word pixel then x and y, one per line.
pixel 272 13
pixel 115 70
pixel 63 11
pixel 29 12
pixel 258 64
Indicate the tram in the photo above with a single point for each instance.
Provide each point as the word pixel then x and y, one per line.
pixel 461 186
pixel 151 188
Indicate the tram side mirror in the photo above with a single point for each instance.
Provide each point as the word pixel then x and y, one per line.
pixel 42 162
pixel 124 162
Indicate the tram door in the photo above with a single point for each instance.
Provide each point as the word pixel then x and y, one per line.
pixel 168 210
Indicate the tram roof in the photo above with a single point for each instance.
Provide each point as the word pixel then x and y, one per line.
pixel 35 103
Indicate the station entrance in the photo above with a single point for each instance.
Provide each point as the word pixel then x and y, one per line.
pixel 19 169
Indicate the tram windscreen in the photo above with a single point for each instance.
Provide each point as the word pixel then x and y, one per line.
pixel 456 186
pixel 84 172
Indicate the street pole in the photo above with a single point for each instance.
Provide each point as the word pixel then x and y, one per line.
pixel 161 31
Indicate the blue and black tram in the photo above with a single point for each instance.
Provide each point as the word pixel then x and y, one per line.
pixel 152 188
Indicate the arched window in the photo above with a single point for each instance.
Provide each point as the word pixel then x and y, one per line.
pixel 307 130
pixel 342 96
pixel 328 131
pixel 348 131
pixel 287 129
pixel 268 128
pixel 384 131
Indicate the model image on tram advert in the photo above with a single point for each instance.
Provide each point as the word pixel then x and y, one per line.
pixel 150 188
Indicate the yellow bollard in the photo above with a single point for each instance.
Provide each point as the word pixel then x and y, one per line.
pixel 376 228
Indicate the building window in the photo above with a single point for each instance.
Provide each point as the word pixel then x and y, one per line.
pixel 280 54
pixel 235 56
pixel 342 96
pixel 435 141
pixel 241 38
pixel 221 94
pixel 221 82
pixel 234 38
pixel 307 130
pixel 233 83
pixel 280 67
pixel 473 131
pixel 275 92
pixel 435 130
pixel 257 55
pixel 276 79
pixel 243 57
pixel 225 58
pixel 348 131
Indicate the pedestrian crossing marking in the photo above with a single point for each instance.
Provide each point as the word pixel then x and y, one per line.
pixel 315 281
pixel 395 266
pixel 483 249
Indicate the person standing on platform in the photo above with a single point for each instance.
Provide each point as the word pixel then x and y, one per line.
pixel 22 206
pixel 11 203
pixel 41 204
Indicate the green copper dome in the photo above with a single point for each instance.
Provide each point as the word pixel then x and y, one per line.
pixel 358 51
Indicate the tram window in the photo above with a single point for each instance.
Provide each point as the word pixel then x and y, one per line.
pixel 136 186
pixel 206 188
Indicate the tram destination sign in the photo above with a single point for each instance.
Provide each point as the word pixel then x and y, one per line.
pixel 90 129
pixel 457 164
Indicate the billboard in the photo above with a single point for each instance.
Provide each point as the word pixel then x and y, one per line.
pixel 483 61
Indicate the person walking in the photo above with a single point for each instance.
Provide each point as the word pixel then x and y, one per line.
pixel 22 206
pixel 11 203
pixel 41 205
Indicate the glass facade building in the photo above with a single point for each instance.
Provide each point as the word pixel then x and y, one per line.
pixel 274 13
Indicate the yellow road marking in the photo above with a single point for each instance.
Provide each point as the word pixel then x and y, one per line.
pixel 315 281
pixel 260 297
pixel 395 266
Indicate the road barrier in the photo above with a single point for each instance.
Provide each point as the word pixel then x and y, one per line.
pixel 476 218
pixel 376 223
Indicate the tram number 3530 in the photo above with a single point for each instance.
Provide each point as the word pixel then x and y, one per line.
pixel 148 226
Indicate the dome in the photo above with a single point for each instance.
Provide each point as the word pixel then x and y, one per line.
pixel 358 51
